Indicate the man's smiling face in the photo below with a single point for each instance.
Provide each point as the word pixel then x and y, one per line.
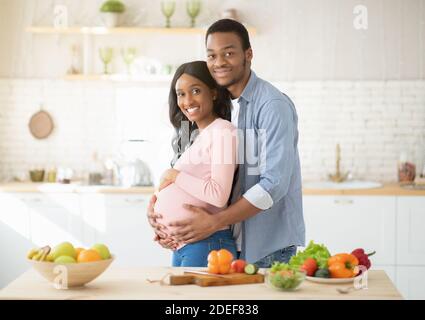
pixel 228 63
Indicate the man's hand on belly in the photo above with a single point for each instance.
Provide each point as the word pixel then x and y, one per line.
pixel 199 226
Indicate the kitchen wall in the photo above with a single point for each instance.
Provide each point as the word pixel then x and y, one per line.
pixel 297 39
pixel 372 120
pixel 363 89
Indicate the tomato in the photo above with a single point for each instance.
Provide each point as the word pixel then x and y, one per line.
pixel 309 266
pixel 238 266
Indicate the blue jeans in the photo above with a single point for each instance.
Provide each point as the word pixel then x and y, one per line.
pixel 196 254
pixel 281 255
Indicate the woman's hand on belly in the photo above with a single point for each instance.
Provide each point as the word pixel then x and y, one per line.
pixel 167 243
pixel 162 238
pixel 164 184
pixel 168 177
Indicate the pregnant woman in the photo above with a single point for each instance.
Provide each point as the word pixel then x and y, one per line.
pixel 203 173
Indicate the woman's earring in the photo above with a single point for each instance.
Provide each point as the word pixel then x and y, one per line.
pixel 214 98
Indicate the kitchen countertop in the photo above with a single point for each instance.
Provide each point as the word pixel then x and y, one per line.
pixel 131 283
pixel 390 189
pixel 70 188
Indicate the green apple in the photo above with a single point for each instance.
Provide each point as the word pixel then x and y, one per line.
pixel 64 249
pixel 65 259
pixel 102 250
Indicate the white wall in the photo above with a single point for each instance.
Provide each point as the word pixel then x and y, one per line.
pixel 297 39
pixel 308 48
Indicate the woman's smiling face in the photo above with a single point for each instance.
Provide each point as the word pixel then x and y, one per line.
pixel 194 98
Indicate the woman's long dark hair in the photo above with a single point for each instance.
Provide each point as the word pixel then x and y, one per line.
pixel 186 131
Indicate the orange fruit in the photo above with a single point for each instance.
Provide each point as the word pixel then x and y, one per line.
pixel 88 256
pixel 78 250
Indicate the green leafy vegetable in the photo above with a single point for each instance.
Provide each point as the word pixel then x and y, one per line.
pixel 280 266
pixel 316 251
pixel 283 276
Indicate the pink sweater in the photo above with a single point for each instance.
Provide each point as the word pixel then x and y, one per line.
pixel 206 174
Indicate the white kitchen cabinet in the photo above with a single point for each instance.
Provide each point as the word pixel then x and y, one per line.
pixel 411 231
pixel 411 282
pixel 119 221
pixel 14 214
pixel 54 218
pixel 344 223
pixel 14 237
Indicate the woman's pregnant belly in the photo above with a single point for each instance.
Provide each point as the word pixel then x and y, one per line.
pixel 170 202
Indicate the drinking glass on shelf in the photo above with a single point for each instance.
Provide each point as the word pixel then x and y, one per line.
pixel 193 8
pixel 106 54
pixel 168 7
pixel 128 55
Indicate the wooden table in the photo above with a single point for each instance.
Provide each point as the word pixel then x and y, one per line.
pixel 131 283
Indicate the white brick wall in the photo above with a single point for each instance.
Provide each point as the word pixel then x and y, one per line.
pixel 373 121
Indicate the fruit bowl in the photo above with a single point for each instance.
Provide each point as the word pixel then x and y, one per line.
pixel 285 280
pixel 68 275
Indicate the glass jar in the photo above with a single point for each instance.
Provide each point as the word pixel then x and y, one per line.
pixel 406 169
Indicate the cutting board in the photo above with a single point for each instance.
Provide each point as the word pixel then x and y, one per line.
pixel 207 280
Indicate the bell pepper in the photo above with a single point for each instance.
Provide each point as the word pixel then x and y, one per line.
pixel 343 265
pixel 219 262
pixel 363 257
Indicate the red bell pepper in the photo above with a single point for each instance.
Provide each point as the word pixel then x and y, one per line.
pixel 363 257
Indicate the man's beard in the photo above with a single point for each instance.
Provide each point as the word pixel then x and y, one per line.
pixel 236 79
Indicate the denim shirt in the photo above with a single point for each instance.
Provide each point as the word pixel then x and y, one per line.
pixel 268 155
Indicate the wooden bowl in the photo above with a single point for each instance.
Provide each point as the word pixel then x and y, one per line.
pixel 70 275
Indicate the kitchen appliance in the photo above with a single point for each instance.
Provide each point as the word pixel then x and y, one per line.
pixel 131 170
pixel 133 173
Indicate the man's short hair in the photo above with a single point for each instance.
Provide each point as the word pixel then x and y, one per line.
pixel 229 25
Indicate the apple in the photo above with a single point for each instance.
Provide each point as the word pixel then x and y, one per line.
pixel 65 259
pixel 64 249
pixel 102 250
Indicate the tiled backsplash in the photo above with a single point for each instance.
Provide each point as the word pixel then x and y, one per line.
pixel 372 120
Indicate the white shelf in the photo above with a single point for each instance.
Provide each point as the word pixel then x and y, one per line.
pixel 118 78
pixel 87 35
pixel 120 30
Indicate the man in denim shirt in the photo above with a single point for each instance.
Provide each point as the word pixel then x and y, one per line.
pixel 266 211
